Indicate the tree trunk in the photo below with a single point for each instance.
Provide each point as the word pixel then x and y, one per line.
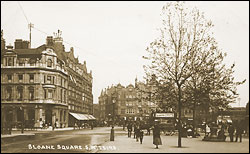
pixel 179 117
pixel 194 119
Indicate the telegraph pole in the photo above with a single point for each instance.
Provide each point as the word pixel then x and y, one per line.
pixel 30 25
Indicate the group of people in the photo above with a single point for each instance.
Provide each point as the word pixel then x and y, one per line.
pixel 237 130
pixel 138 133
pixel 233 129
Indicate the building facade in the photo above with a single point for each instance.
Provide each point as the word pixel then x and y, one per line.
pixel 37 84
pixel 118 103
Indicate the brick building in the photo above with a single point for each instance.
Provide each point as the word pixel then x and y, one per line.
pixel 37 84
pixel 122 103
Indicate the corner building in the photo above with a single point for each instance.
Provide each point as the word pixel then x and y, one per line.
pixel 36 84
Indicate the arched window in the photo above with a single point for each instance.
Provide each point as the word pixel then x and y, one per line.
pixel 19 93
pixel 49 63
pixel 31 93
pixel 10 61
pixel 9 93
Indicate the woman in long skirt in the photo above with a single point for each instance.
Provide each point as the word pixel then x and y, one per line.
pixel 156 136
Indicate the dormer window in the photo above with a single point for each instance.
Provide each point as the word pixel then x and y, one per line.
pixel 49 63
pixel 32 62
pixel 10 61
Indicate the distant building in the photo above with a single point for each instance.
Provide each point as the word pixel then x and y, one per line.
pixel 122 103
pixel 43 84
pixel 96 111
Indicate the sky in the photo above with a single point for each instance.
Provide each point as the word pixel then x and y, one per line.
pixel 112 36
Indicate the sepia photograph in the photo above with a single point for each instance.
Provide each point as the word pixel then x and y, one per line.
pixel 124 76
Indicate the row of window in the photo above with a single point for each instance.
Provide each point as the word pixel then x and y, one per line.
pixel 49 80
pixel 132 111
pixel 21 61
pixel 75 108
pixel 48 93
pixel 20 77
pixel 20 92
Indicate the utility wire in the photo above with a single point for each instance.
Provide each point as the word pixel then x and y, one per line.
pixel 23 12
pixel 63 41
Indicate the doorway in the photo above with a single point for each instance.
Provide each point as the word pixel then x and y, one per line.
pixel 48 117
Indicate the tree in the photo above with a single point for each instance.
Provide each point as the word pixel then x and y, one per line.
pixel 183 47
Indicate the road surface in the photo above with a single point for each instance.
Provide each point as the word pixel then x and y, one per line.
pixel 70 141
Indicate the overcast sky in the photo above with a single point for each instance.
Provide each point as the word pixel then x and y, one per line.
pixel 112 36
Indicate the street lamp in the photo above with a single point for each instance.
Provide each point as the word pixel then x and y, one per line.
pixel 22 129
pixel 113 112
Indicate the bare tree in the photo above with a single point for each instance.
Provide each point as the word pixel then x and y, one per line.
pixel 185 43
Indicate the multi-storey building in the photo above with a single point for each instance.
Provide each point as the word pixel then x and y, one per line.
pixel 43 84
pixel 140 101
pixel 96 111
pixel 130 102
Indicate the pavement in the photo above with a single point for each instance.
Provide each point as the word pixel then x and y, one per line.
pixel 32 132
pixel 97 140
pixel 123 144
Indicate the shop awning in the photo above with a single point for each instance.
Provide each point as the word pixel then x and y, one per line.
pixel 79 116
pixel 90 117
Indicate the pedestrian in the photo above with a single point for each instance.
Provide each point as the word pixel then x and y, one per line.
pixel 231 132
pixel 123 125
pixel 207 130
pixel 129 127
pixel 137 132
pixel 148 129
pixel 141 135
pixel 135 129
pixel 75 125
pixel 239 131
pixel 156 136
pixel 221 133
pixel 92 125
pixel 112 134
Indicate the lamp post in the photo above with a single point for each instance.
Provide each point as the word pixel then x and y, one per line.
pixel 22 129
pixel 113 112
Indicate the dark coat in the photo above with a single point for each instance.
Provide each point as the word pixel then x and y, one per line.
pixel 230 129
pixel 156 136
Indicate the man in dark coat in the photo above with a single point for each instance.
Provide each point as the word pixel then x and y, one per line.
pixel 129 129
pixel 239 131
pixel 231 132
pixel 140 133
pixel 135 130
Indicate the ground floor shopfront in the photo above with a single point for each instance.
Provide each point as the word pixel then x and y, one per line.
pixel 33 115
